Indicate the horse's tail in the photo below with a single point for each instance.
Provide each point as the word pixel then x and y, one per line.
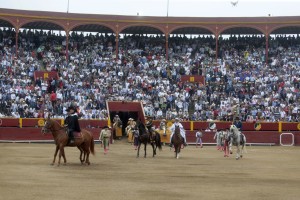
pixel 158 141
pixel 92 145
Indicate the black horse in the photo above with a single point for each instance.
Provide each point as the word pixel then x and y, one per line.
pixel 147 135
pixel 177 141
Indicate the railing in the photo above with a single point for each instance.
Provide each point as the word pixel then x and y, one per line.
pixel 188 125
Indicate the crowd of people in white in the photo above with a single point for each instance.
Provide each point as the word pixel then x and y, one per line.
pixel 239 83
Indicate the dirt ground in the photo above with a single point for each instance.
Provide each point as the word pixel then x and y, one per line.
pixel 264 173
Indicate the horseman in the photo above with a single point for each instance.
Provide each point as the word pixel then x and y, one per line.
pixel 238 123
pixel 162 126
pixel 182 131
pixel 117 121
pixel 150 128
pixel 130 125
pixel 72 122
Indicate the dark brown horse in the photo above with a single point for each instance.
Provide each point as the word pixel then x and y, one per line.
pixel 85 143
pixel 177 141
pixel 147 136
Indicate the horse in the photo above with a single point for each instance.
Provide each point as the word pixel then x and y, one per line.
pixel 85 143
pixel 147 136
pixel 177 141
pixel 237 139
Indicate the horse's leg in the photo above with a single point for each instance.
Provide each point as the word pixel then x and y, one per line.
pixel 55 154
pixel 81 154
pixel 153 148
pixel 145 149
pixel 86 149
pixel 237 152
pixel 138 150
pixel 88 157
pixel 242 150
pixel 177 151
pixel 63 155
pixel 60 154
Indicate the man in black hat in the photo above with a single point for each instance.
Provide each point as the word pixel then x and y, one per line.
pixel 238 123
pixel 72 122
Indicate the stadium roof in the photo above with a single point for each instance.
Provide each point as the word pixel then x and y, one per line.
pixel 147 25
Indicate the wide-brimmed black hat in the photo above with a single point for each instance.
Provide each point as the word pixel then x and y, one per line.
pixel 106 127
pixel 71 108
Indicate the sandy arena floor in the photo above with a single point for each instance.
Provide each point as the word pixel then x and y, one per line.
pixel 264 173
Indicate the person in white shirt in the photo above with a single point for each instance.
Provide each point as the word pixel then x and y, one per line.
pixel 182 131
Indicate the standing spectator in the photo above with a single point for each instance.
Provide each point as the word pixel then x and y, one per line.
pixel 53 99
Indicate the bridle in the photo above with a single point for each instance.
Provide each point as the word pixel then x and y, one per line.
pixel 47 129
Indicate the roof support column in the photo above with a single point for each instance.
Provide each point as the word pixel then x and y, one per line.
pixel 17 46
pixel 217 41
pixel 267 48
pixel 167 47
pixel 117 46
pixel 67 47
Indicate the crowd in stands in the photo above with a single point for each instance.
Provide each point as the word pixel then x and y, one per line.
pixel 239 83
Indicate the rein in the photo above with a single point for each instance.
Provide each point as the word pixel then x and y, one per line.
pixel 53 130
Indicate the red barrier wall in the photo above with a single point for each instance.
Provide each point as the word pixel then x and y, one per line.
pixel 29 134
pixel 188 125
pixel 268 132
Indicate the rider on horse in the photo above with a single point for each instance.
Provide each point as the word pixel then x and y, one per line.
pixel 72 122
pixel 182 131
pixel 117 121
pixel 150 128
pixel 239 126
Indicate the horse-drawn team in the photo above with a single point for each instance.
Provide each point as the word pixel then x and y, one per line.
pixel 71 135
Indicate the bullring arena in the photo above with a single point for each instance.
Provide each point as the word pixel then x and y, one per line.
pixel 264 173
pixel 269 169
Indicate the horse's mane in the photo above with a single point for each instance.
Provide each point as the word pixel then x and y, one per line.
pixel 177 129
pixel 234 129
pixel 142 128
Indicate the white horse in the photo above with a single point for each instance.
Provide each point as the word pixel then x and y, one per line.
pixel 237 139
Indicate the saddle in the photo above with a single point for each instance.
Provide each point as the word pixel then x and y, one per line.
pixel 75 134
